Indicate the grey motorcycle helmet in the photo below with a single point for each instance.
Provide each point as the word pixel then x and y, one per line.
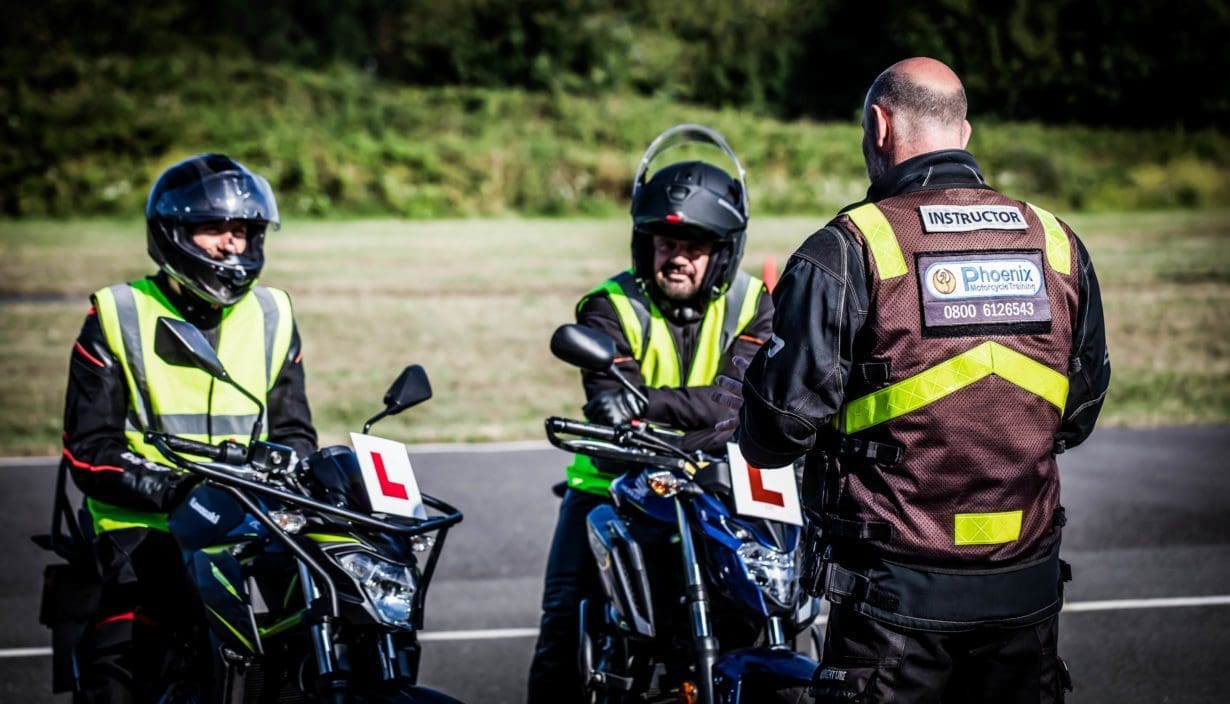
pixel 690 200
pixel 209 188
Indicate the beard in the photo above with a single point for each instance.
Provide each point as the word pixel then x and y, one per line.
pixel 676 284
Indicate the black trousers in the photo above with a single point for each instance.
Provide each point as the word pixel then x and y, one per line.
pixel 868 661
pixel 572 575
pixel 128 651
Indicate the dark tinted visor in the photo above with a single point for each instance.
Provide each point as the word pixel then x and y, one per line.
pixel 230 195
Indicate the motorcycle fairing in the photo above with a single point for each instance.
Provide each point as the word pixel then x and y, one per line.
pixel 732 672
pixel 220 581
pixel 729 573
pixel 621 566
pixel 631 491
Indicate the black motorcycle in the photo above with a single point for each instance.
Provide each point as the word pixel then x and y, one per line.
pixel 308 594
pixel 701 605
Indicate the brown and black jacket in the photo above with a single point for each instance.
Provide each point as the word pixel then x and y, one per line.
pixel 935 347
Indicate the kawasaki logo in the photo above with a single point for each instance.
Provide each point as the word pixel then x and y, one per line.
pixel 208 515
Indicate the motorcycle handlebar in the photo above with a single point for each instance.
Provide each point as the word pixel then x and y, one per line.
pixel 227 475
pixel 617 443
pixel 192 447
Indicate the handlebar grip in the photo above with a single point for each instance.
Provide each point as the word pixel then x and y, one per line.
pixel 572 427
pixel 179 444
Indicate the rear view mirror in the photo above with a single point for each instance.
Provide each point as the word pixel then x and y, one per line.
pixel 179 343
pixel 583 347
pixel 409 389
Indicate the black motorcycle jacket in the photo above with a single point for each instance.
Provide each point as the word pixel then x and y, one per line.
pixel 97 404
pixel 690 409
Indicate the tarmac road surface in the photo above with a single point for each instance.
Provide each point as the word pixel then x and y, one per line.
pixel 1148 536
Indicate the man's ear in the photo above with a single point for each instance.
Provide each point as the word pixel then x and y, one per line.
pixel 882 125
pixel 966 131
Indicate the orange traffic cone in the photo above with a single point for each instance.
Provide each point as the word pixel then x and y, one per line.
pixel 769 272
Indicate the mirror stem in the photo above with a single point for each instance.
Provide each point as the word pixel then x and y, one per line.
pixel 260 413
pixel 372 421
pixel 628 385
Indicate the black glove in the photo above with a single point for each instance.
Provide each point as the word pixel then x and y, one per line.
pixel 160 488
pixel 614 407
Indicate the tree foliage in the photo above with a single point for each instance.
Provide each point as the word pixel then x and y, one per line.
pixel 1106 62
pixel 491 106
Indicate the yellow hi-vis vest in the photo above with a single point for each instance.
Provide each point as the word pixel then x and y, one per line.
pixel 253 342
pixel 654 349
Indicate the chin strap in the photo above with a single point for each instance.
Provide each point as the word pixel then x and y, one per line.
pixel 679 312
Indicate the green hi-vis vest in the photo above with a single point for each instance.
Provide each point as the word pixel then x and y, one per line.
pixel 654 349
pixel 253 342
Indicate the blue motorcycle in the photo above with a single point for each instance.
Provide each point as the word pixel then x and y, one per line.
pixel 700 605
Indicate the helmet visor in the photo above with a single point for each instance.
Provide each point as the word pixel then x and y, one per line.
pixel 229 195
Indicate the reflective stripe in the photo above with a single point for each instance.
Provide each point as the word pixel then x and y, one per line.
pixel 748 309
pixel 624 292
pixel 269 311
pixel 205 424
pixel 881 239
pixel 736 295
pixel 986 528
pixel 949 376
pixel 1058 250
pixel 134 363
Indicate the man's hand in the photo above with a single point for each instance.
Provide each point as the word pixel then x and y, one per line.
pixel 730 393
pixel 163 487
pixel 614 407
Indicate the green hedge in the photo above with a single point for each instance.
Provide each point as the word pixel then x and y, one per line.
pixel 339 142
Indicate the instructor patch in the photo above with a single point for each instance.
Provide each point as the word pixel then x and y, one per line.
pixel 967 218
pixel 999 293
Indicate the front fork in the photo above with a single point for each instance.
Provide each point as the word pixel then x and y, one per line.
pixel 329 687
pixel 697 602
pixel 395 662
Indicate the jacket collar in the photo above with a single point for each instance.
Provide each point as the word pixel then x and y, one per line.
pixel 948 168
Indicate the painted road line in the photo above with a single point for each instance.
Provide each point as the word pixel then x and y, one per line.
pixel 25 653
pixel 1160 603
pixel 502 633
pixel 488 634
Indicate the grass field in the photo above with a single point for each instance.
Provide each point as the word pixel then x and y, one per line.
pixel 475 302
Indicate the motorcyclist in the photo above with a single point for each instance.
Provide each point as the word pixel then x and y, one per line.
pixel 935 347
pixel 679 317
pixel 206 220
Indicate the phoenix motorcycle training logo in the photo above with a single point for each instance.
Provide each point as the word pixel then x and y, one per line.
pixel 943 281
pixel 984 278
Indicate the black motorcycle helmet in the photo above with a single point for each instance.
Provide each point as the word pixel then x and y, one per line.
pixel 690 200
pixel 209 188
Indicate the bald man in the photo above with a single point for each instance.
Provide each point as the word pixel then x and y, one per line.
pixel 935 347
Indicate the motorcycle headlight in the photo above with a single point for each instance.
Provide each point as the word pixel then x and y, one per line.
pixel 389 586
pixel 771 570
